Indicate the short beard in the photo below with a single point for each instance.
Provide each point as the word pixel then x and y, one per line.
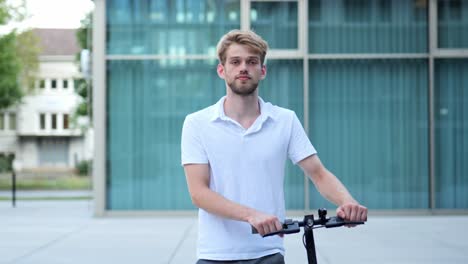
pixel 243 91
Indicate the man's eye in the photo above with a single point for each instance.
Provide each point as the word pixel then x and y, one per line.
pixel 235 62
pixel 253 62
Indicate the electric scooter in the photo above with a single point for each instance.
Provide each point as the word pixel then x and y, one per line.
pixel 309 224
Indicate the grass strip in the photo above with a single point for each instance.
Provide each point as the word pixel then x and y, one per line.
pixel 47 198
pixel 42 183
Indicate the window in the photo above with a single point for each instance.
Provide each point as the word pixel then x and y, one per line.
pixel 365 26
pixel 42 84
pixel 277 22
pixel 53 84
pixel 54 121
pixel 65 84
pixel 12 121
pixel 167 26
pixel 384 11
pixel 315 10
pixel 451 133
pixel 420 10
pixel 65 121
pixel 42 120
pixel 357 11
pixel 452 24
pixel 2 121
pixel 449 10
pixel 368 109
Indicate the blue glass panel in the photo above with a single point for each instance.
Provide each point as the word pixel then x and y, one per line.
pixel 147 104
pixel 367 26
pixel 451 133
pixel 369 123
pixel 452 28
pixel 167 27
pixel 276 22
pixel 284 86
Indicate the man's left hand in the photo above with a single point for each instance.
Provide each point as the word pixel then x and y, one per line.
pixel 352 211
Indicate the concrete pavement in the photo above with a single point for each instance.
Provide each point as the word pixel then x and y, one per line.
pixel 65 232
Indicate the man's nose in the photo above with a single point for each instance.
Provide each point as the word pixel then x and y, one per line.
pixel 243 66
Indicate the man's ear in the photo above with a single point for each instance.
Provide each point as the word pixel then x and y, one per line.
pixel 264 72
pixel 220 70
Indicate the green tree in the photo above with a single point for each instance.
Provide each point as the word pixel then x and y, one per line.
pixel 10 91
pixel 83 86
pixel 4 15
pixel 18 56
pixel 28 52
pixel 83 33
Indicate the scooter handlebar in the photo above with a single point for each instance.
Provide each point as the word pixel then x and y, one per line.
pixel 293 226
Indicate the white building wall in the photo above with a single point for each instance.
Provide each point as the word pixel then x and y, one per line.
pixel 59 101
pixel 89 144
pixel 8 138
pixel 76 153
pixel 8 135
pixel 50 100
pixel 58 67
pixel 28 153
pixel 8 143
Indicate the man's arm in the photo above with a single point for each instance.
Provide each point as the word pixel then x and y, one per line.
pixel 198 181
pixel 333 190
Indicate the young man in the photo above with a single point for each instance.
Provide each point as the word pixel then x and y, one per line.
pixel 234 154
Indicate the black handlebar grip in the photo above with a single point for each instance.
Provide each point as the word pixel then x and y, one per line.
pixel 337 221
pixel 255 231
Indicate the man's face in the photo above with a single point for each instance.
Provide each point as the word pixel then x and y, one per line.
pixel 242 70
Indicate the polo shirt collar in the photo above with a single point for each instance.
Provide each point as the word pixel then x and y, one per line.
pixel 266 110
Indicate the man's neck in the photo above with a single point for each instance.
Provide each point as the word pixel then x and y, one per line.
pixel 243 109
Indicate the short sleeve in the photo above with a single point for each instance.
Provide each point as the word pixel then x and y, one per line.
pixel 192 150
pixel 299 146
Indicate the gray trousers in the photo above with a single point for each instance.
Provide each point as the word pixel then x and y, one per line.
pixel 270 259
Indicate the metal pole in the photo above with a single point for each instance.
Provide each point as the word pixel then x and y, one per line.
pixel 13 188
pixel 432 49
pixel 309 239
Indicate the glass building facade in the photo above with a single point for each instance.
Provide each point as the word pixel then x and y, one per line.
pixel 380 86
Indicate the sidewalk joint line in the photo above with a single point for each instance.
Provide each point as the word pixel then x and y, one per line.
pixel 181 241
pixel 48 244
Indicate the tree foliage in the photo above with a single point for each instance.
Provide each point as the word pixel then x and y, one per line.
pixel 84 32
pixel 12 11
pixel 28 52
pixel 10 91
pixel 4 15
pixel 82 86
pixel 18 56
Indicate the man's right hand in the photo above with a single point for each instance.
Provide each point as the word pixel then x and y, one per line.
pixel 198 181
pixel 264 223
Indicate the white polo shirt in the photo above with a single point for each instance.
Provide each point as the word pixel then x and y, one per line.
pixel 246 166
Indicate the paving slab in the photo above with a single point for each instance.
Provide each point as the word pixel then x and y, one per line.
pixel 65 232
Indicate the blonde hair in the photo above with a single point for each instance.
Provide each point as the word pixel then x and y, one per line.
pixel 243 37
